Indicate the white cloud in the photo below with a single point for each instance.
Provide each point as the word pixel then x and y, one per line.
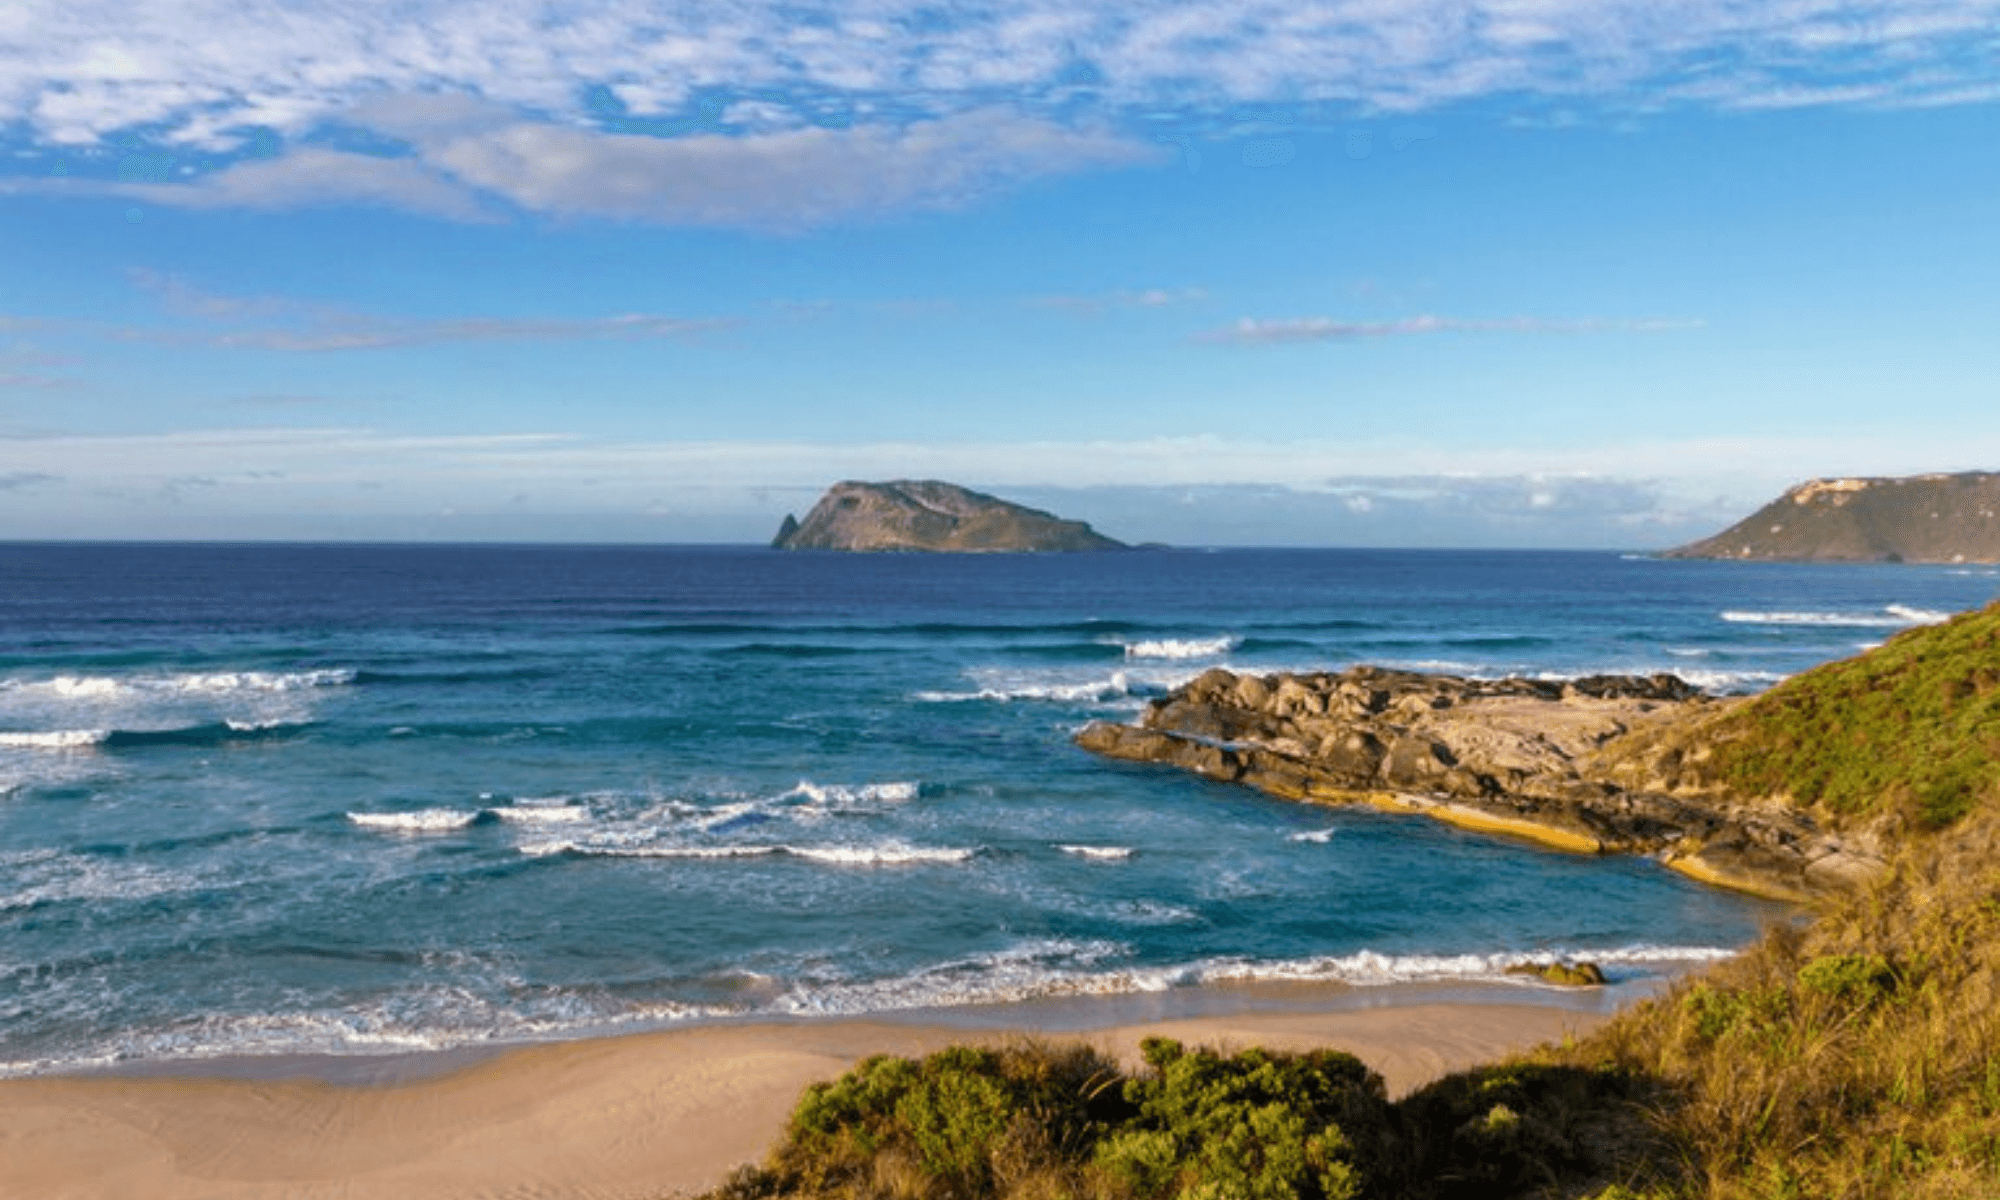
pixel 74 71
pixel 312 177
pixel 779 180
pixel 465 166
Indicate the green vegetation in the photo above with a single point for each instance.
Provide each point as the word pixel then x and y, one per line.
pixel 1857 1057
pixel 1910 729
pixel 1036 1120
pixel 1854 1058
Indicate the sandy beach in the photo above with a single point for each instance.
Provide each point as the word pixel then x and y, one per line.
pixel 639 1116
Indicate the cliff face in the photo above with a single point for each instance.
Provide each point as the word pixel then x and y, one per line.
pixel 931 516
pixel 1922 518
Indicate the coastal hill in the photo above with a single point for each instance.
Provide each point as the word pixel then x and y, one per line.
pixel 927 515
pixel 1918 519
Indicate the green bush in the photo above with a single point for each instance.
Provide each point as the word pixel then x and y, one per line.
pixel 1854 979
pixel 1252 1126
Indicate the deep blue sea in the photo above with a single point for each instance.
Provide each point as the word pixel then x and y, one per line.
pixel 262 799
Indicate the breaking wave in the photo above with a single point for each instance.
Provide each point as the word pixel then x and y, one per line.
pixel 1892 616
pixel 1181 648
pixel 1099 853
pixel 423 820
pixel 885 854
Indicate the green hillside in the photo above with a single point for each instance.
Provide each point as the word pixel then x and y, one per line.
pixel 1910 729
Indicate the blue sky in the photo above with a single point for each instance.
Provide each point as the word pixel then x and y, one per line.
pixel 1364 272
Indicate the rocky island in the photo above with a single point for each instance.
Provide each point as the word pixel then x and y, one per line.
pixel 1916 519
pixel 927 515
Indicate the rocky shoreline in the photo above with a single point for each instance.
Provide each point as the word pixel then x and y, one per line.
pixel 1590 765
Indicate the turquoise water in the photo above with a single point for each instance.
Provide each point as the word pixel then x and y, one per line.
pixel 349 799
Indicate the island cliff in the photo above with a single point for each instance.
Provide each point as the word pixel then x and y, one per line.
pixel 926 515
pixel 1918 519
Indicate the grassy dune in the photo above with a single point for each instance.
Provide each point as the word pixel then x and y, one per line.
pixel 1856 1055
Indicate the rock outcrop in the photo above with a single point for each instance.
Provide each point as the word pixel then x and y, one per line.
pixel 926 515
pixel 1918 519
pixel 1531 758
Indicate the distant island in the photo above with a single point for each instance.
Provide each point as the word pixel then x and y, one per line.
pixel 928 515
pixel 1916 519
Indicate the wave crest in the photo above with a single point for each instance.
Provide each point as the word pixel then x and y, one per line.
pixel 1182 648
pixel 1892 616
pixel 423 820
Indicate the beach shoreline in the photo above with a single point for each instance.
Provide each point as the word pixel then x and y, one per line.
pixel 649 1114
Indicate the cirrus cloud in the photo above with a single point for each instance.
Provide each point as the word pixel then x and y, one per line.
pixel 815 112
pixel 77 70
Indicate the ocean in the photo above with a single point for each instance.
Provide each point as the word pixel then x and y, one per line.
pixel 344 799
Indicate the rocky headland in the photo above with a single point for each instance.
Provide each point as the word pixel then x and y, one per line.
pixel 931 516
pixel 1916 519
pixel 1601 765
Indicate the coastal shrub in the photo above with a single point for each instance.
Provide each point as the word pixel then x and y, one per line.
pixel 964 1122
pixel 1038 1121
pixel 1855 979
pixel 1252 1126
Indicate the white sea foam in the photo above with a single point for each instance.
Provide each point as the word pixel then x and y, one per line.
pixel 695 852
pixel 836 796
pixel 422 1020
pixel 1729 681
pixel 886 854
pixel 524 812
pixel 1119 685
pixel 1126 687
pixel 1181 648
pixel 890 854
pixel 1099 853
pixel 1893 616
pixel 60 739
pixel 1447 666
pixel 98 688
pixel 1688 652
pixel 52 876
pixel 1050 967
pixel 1317 836
pixel 423 820
pixel 1918 616
pixel 1060 968
pixel 1369 967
